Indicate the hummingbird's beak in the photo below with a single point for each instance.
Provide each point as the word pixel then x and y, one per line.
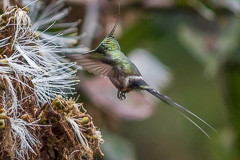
pixel 88 52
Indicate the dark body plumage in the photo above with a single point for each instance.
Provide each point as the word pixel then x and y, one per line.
pixel 108 60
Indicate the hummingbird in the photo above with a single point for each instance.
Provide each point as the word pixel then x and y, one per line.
pixel 108 60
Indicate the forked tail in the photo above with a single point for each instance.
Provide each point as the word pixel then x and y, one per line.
pixel 179 109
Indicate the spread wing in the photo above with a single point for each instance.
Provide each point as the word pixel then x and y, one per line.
pixel 94 63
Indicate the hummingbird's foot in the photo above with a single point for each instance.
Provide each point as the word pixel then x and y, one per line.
pixel 121 95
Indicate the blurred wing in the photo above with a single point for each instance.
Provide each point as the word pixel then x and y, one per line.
pixel 92 63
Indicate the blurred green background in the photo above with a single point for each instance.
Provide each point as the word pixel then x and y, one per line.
pixel 198 41
pixel 166 135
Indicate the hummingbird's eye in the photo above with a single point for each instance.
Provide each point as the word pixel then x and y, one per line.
pixel 104 44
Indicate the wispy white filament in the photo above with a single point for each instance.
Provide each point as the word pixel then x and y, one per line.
pixel 3 42
pixel 99 135
pixel 23 53
pixel 13 110
pixel 78 133
pixel 22 25
pixel 23 140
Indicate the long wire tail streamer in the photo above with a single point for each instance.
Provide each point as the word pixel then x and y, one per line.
pixel 180 109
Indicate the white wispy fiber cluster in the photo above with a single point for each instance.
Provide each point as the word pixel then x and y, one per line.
pixel 51 17
pixel 20 131
pixel 34 59
pixel 77 128
pixel 80 137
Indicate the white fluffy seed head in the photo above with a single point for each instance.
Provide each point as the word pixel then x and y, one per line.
pixel 34 59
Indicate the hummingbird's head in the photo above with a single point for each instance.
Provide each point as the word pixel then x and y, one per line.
pixel 109 43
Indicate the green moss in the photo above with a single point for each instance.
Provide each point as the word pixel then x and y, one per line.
pixel 84 120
